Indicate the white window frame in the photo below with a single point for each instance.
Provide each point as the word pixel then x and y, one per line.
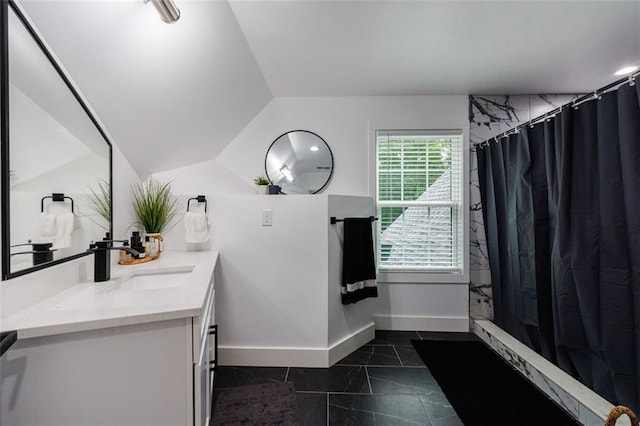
pixel 427 276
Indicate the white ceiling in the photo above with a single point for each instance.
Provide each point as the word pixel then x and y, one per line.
pixel 174 95
pixel 338 48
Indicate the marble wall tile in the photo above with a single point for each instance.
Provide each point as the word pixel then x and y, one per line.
pixel 480 294
pixel 490 116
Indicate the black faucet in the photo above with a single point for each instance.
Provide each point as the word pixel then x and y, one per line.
pixel 102 259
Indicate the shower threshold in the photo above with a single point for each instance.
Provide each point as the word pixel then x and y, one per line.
pixel 579 401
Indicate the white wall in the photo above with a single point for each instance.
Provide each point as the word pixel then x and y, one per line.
pixel 347 124
pixel 278 287
pixel 432 307
pixel 271 281
pixel 123 178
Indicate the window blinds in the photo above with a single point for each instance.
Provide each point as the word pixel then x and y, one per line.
pixel 419 200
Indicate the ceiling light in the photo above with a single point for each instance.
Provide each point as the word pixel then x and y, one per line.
pixel 626 70
pixel 314 148
pixel 168 11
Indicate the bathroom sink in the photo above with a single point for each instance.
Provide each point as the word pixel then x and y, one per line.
pixel 125 289
pixel 152 280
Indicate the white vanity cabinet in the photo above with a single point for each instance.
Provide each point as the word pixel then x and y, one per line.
pixel 151 373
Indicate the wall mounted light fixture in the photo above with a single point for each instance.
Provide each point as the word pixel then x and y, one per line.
pixel 168 11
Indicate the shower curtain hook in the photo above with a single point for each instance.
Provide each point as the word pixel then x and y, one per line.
pixel 632 80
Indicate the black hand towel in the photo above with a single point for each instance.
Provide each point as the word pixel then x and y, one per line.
pixel 358 263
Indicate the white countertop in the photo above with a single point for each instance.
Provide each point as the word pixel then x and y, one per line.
pixel 89 306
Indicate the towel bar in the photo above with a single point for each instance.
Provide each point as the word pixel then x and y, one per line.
pixel 333 220
pixel 56 196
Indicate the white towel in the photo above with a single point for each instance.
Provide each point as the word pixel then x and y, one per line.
pixel 64 227
pixel 196 227
pixel 47 226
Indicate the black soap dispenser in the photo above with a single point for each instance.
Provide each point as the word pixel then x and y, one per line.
pixel 136 242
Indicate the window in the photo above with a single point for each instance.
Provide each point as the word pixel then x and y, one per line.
pixel 419 198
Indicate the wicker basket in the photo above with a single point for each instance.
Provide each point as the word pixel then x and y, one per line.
pixel 618 411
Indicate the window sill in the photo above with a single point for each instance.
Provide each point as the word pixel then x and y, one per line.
pixel 398 277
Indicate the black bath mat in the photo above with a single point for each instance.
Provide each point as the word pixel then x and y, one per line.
pixel 267 404
pixel 484 389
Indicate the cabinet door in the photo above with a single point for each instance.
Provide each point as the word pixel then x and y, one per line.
pixel 132 375
pixel 202 370
pixel 202 395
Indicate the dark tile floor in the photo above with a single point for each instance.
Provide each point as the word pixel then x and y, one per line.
pixel 382 383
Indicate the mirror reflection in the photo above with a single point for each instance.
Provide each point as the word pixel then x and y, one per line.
pixel 59 161
pixel 300 162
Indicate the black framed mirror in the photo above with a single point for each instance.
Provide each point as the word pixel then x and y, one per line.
pixel 300 162
pixel 56 159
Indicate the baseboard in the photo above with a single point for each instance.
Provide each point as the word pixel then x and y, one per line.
pixel 273 356
pixel 295 357
pixel 351 343
pixel 415 323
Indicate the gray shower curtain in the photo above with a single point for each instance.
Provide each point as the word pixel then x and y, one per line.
pixel 561 203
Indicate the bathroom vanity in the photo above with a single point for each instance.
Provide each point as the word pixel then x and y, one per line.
pixel 138 349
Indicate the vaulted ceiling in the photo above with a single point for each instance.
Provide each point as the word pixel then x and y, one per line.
pixel 173 95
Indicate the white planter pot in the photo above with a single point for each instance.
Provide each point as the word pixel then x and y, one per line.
pixel 262 189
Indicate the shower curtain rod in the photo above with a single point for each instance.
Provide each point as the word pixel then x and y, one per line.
pixel 595 95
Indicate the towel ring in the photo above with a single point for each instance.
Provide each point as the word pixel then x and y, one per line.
pixel 56 196
pixel 200 199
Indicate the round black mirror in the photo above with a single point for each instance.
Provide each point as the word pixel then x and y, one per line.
pixel 300 162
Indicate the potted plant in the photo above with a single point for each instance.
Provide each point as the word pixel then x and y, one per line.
pixel 261 184
pixel 155 206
